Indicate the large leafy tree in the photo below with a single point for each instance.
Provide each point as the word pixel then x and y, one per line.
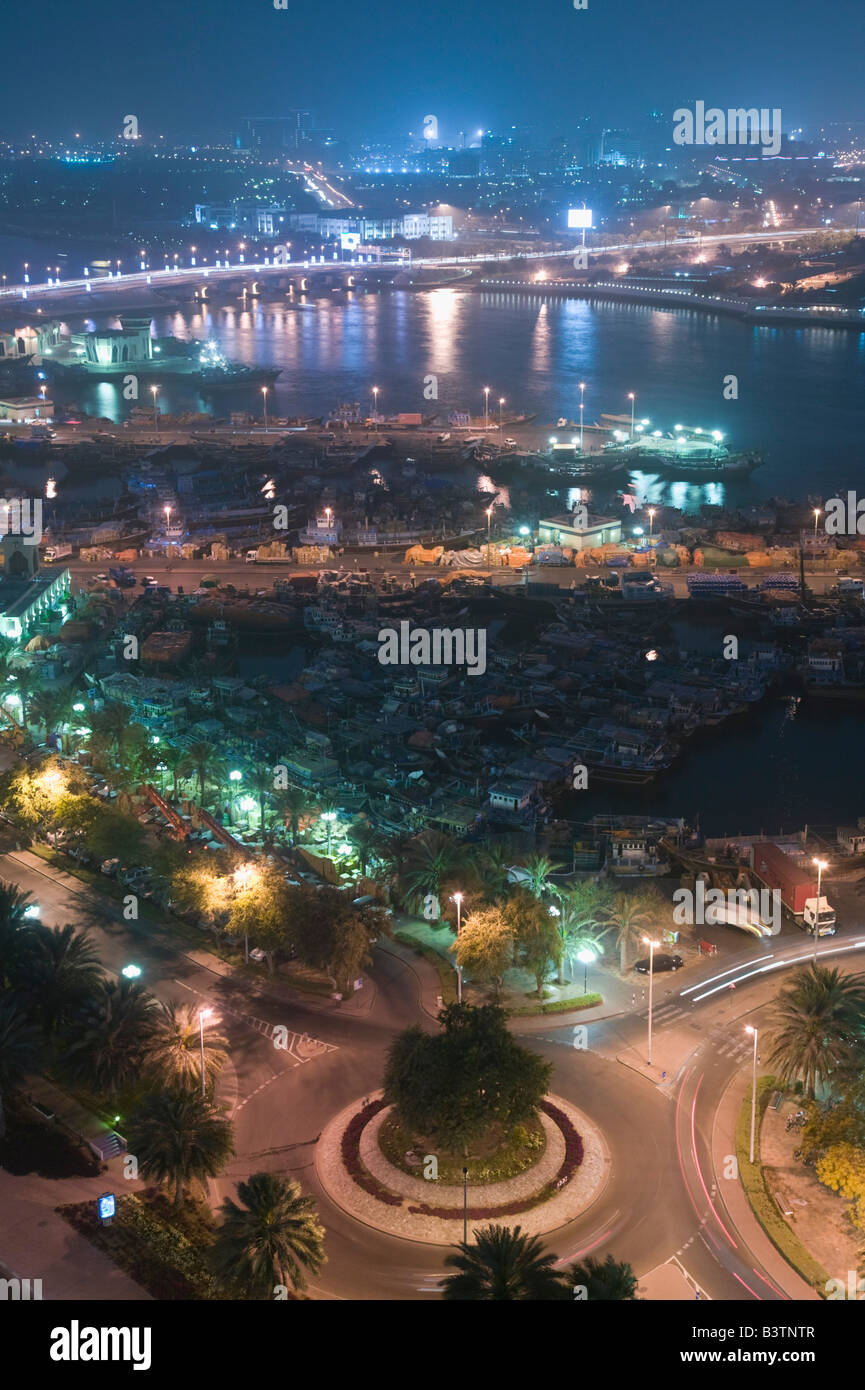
pixel 501 1265
pixel 259 908
pixel 485 946
pixel 535 933
pixel 332 935
pixel 270 1240
pixel 453 1086
pixel 608 1280
pixel 174 1047
pixel 178 1137
pixel 817 1027
pixel 19 1051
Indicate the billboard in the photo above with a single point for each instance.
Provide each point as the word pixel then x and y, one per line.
pixel 349 241
pixel 579 217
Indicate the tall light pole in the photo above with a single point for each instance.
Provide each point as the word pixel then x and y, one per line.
pixel 651 521
pixel 821 865
pixel 486 408
pixel 816 519
pixel 652 945
pixel 749 1029
pixel 154 391
pixel 202 1015
pixel 328 817
pixel 582 393
pixel 458 899
pixel 501 403
pixel 489 542
pixel 633 399
pixel 586 958
pixel 375 404
pixel 264 398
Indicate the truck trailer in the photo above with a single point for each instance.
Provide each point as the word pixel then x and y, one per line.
pixel 796 886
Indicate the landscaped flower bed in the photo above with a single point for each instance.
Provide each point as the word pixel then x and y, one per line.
pixel 350 1148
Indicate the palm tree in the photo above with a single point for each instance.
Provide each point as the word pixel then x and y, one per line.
pixel 817 1026
pixel 432 858
pixel 19 1051
pixel 502 1264
pixel 261 784
pixel 491 869
pixel 51 708
pixel 584 909
pixel 291 804
pixel 179 764
pixel 178 1137
pixel 174 1050
pixel 269 1239
pixel 15 931
pixel 206 764
pixel 607 1279
pixel 60 970
pixel 366 841
pixel 630 916
pixel 537 869
pixel 110 1036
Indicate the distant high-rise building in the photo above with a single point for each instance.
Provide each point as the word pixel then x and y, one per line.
pixel 273 135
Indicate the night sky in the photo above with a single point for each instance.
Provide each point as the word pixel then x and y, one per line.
pixel 374 68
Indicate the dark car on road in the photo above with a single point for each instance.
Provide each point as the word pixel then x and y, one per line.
pixel 661 963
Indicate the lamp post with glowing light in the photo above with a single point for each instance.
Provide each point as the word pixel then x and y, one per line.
pixel 501 403
pixel 202 1015
pixel 264 398
pixel 486 408
pixel 328 817
pixel 489 541
pixel 816 519
pixel 155 392
pixel 749 1029
pixel 651 522
pixel 167 517
pixel 633 399
pixel 582 393
pixel 821 865
pixel 375 404
pixel 458 899
pixel 653 946
pixel 586 958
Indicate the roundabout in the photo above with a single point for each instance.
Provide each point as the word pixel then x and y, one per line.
pixel 567 1179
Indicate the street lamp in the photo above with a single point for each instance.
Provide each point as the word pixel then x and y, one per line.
pixel 328 817
pixel 586 958
pixel 816 518
pixel 749 1029
pixel 501 403
pixel 821 865
pixel 486 408
pixel 167 517
pixel 375 403
pixel 582 393
pixel 264 396
pixel 633 399
pixel 154 391
pixel 652 945
pixel 651 521
pixel 489 518
pixel 202 1015
pixel 458 899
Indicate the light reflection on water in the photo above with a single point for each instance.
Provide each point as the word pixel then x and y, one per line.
pixel 534 353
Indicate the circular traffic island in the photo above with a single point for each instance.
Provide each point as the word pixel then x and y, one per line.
pixel 562 1171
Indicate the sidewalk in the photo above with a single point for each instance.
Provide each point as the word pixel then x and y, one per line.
pixel 723 1145
pixel 39 1244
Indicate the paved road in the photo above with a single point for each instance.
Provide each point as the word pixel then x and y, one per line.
pixel 668 1205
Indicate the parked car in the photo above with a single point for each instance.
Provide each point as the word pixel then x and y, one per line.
pixel 662 963
pixel 147 580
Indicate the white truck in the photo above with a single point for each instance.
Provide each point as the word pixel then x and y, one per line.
pixel 819 913
pixel 57 552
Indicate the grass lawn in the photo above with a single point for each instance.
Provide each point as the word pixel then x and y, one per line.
pixel 494 1158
